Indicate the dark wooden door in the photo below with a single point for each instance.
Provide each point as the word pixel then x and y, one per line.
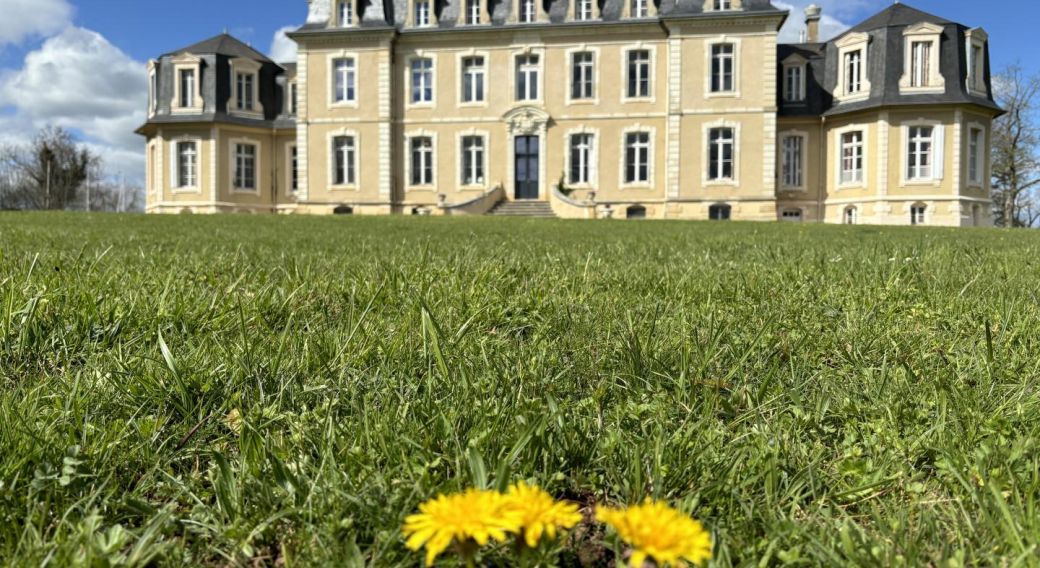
pixel 526 167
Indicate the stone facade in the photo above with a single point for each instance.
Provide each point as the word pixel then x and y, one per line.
pixel 604 108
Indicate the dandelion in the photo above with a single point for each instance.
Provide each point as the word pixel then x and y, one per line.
pixel 658 531
pixel 469 518
pixel 538 513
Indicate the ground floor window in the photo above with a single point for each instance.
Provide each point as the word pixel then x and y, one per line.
pixel 187 164
pixel 473 160
pixel 245 166
pixel 635 212
pixel 581 158
pixel 919 153
pixel 917 214
pixel 422 160
pixel 345 154
pixel 850 215
pixel 294 182
pixel 852 157
pixel 720 154
pixel 792 215
pixel 637 157
pixel 792 159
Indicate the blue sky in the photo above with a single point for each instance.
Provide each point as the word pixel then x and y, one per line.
pixel 110 41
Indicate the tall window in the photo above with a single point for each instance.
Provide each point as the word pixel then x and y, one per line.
pixel 581 159
pixel 723 60
pixel 346 13
pixel 852 157
pixel 975 66
pixel 917 214
pixel 640 8
pixel 638 74
pixel 187 88
pixel 853 72
pixel 472 12
pixel 153 91
pixel 346 77
pixel 919 153
pixel 245 166
pixel 976 146
pixel 422 161
pixel 584 10
pixel 793 164
pixel 794 84
pixel 422 81
pixel 723 4
pixel 294 182
pixel 720 154
pixel 527 11
pixel 422 13
pixel 244 91
pixel 473 160
pixel 527 78
pixel 637 157
pixel 921 60
pixel 582 73
pixel 345 156
pixel 473 79
pixel 294 99
pixel 187 164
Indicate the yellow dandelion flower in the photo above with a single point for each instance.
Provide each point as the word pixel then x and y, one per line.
pixel 475 515
pixel 658 531
pixel 538 513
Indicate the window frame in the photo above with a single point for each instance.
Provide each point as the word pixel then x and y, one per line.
pixel 839 136
pixel 187 61
pixel 919 213
pixel 332 60
pixel 923 33
pixel 709 67
pixel 430 19
pixel 409 137
pixel 626 54
pixel 175 169
pixel 460 141
pixel 292 169
pixel 245 68
pixel 355 165
pixel 706 179
pixel 976 38
pixel 538 68
pixel 850 212
pixel 803 138
pixel 234 143
pixel 978 158
pixel 352 12
pixel 593 79
pixel 848 45
pixel 467 12
pixel 651 143
pixel 592 161
pixel 460 64
pixel 800 65
pixel 410 62
pixel 937 153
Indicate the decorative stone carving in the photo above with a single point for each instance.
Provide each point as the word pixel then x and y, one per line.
pixel 526 120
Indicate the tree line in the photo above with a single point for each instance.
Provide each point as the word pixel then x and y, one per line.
pixel 56 171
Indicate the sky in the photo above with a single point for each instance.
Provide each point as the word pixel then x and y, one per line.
pixel 81 64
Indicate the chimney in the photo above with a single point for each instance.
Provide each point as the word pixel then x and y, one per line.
pixel 812 23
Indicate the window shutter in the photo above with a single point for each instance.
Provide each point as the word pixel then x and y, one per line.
pixel 940 151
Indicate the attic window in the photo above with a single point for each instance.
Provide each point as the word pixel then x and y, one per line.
pixel 921 72
pixel 422 13
pixel 853 80
pixel 527 11
pixel 721 5
pixel 345 13
pixel 794 83
pixel 976 51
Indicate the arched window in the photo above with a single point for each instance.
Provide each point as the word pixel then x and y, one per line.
pixel 851 215
pixel 636 212
pixel 343 210
pixel 719 212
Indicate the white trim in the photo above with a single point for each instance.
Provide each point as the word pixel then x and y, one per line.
pixel 651 132
pixel 709 48
pixel 330 141
pixel 257 167
pixel 460 78
pixel 795 62
pixel 187 61
pixel 593 181
pixel 706 129
pixel 839 134
pixel 408 137
pixel 330 67
pixel 804 186
pixel 984 163
pixel 569 91
pixel 922 33
pixel 709 6
pixel 938 152
pixel 526 121
pixel 408 60
pixel 976 38
pixel 651 50
pixel 175 187
pixel 460 172
pixel 153 87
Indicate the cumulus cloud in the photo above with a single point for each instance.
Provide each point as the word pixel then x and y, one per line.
pixel 24 19
pixel 838 16
pixel 283 49
pixel 78 80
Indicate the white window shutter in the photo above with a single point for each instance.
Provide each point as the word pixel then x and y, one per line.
pixel 940 151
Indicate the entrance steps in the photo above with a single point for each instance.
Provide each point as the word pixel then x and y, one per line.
pixel 538 209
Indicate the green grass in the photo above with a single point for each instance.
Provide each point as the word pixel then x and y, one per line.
pixel 242 391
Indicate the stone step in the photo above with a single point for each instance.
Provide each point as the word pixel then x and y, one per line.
pixel 538 209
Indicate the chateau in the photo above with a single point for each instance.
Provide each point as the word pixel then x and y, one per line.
pixel 674 109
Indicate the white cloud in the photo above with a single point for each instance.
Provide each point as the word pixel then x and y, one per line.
pixel 24 19
pixel 283 49
pixel 838 16
pixel 78 80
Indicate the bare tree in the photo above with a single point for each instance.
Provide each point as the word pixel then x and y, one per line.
pixel 1016 136
pixel 52 170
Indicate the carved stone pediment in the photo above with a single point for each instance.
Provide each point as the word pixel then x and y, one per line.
pixel 526 120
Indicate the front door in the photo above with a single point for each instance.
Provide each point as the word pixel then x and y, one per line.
pixel 526 167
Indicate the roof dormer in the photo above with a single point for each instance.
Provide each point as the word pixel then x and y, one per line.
pixel 187 84
pixel 723 5
pixel 922 73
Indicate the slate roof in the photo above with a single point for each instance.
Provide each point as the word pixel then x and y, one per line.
pixel 226 45
pixel 898 15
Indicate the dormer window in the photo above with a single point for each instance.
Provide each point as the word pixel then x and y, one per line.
pixel 245 96
pixel 345 13
pixel 921 72
pixel 853 83
pixel 583 11
pixel 528 11
pixel 294 99
pixel 976 52
pixel 472 12
pixel 422 13
pixel 795 71
pixel 153 88
pixel 640 8
pixel 187 92
pixel 721 5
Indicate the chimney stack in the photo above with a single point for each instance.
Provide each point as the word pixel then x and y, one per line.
pixel 812 23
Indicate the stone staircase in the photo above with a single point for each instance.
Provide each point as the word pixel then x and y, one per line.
pixel 539 209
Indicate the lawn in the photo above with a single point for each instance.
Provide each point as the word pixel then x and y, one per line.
pixel 249 391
